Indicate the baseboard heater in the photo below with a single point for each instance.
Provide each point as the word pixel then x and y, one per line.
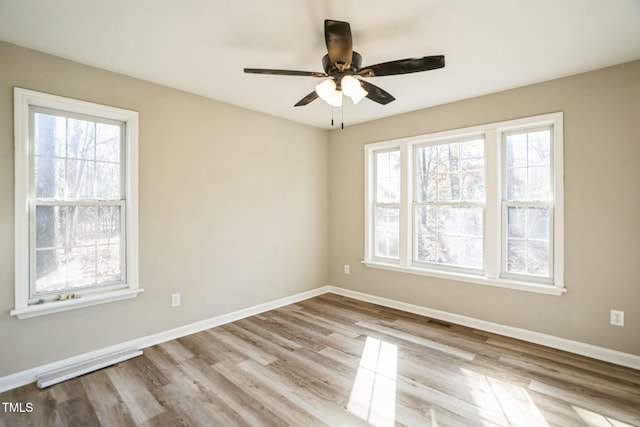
pixel 50 378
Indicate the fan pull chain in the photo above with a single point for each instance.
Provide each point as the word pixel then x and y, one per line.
pixel 342 117
pixel 331 116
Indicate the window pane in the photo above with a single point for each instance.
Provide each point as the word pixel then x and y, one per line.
pixel 471 222
pixel 517 184
pixel 447 250
pixel 108 224
pixel 107 142
pixel 426 168
pixel 80 179
pixel 51 270
pixel 108 181
pixel 50 135
pixel 471 251
pixel 81 139
pixel 387 231
pixel 81 268
pixel 538 223
pixel 472 154
pixel 516 256
pixel 49 176
pixel 538 148
pixel 382 164
pixel 108 267
pixel 426 247
pixel 388 190
pixel 448 187
pixel 539 187
pixel 516 150
pixel 83 225
pixel 516 222
pixel 425 233
pixel 51 222
pixel 473 186
pixel 538 258
pixel 448 157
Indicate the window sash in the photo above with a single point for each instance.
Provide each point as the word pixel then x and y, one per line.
pixel 122 160
pixel 34 295
pixel 458 267
pixel 548 278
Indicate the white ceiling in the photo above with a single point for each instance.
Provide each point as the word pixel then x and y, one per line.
pixel 201 46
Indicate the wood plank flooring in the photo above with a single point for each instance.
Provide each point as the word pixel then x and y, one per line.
pixel 335 361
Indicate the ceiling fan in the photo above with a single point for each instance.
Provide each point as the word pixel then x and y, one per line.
pixel 342 66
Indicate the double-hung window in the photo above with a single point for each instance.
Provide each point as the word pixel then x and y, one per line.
pixel 481 204
pixel 527 204
pixel 448 204
pixel 76 203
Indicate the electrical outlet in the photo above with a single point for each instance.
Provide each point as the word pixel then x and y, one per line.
pixel 346 269
pixel 175 300
pixel 617 318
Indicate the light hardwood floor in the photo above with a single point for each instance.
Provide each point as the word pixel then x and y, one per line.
pixel 335 361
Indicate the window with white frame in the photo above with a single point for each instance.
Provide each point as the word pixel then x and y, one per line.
pixel 76 203
pixel 527 203
pixel 481 204
pixel 448 203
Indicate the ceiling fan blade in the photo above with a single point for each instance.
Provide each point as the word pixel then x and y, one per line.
pixel 403 66
pixel 307 99
pixel 337 36
pixel 377 94
pixel 284 72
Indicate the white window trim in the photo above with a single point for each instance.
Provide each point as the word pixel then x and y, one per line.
pixel 493 181
pixel 23 99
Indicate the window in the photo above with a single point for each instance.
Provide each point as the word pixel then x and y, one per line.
pixel 76 203
pixel 448 203
pixel 481 204
pixel 527 203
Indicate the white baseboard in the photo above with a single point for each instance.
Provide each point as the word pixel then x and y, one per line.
pixel 28 376
pixel 619 358
pixel 589 350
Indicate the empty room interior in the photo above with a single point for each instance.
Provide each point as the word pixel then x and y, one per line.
pixel 320 213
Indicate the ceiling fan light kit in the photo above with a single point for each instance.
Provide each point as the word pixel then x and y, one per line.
pixel 351 87
pixel 342 68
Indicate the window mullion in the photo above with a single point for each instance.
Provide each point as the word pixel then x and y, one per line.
pixel 406 197
pixel 492 210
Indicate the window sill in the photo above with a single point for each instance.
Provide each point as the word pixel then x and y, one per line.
pixel 501 283
pixel 36 310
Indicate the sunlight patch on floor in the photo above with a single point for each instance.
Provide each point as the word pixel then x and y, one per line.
pixel 373 395
pixel 517 405
pixel 510 404
pixel 598 420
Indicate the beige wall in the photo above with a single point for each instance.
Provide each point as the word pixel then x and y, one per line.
pixel 233 210
pixel 602 204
